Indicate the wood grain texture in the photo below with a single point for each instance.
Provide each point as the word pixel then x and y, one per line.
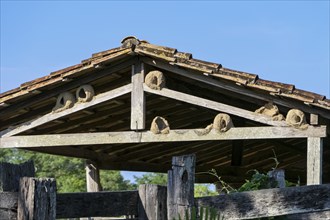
pixel 8 205
pixel 138 100
pixel 80 139
pixel 180 187
pixel 270 202
pixel 314 160
pixel 37 199
pixel 100 98
pixel 98 204
pixel 215 106
pixel 93 182
pixel 11 173
pixel 152 202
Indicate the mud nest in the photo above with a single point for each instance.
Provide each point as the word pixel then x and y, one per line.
pixel 271 110
pixel 222 122
pixel 159 126
pixel 85 93
pixel 155 80
pixel 64 101
pixel 297 119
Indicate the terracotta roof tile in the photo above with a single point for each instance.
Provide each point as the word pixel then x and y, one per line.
pixel 131 45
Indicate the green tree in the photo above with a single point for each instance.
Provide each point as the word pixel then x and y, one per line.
pixel 152 178
pixel 69 172
pixel 202 190
pixel 161 179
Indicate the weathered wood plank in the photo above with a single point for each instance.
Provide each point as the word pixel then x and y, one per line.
pixel 98 204
pixel 325 215
pixel 138 100
pixel 36 199
pixel 152 202
pixel 93 182
pixel 8 205
pixel 314 160
pixel 180 187
pixel 11 173
pixel 79 139
pixel 233 88
pixel 270 202
pixel 314 119
pixel 100 98
pixel 215 106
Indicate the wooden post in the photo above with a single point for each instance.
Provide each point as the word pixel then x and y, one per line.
pixel 278 175
pixel 11 173
pixel 314 160
pixel 138 113
pixel 180 187
pixel 152 202
pixel 92 177
pixel 36 199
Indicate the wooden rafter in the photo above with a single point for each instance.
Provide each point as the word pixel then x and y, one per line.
pixel 215 106
pixel 79 139
pixel 103 97
pixel 233 88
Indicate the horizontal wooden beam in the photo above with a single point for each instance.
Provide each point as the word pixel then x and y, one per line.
pixel 75 205
pixel 100 98
pixel 215 106
pixel 269 202
pixel 80 139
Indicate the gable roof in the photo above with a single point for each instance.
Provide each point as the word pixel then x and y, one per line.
pixel 111 70
pixel 132 46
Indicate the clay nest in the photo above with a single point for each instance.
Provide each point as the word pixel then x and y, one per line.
pixel 155 80
pixel 297 119
pixel 271 110
pixel 159 126
pixel 85 93
pixel 222 122
pixel 64 101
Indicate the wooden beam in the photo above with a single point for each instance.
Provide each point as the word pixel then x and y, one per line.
pixel 269 202
pixel 98 204
pixel 244 92
pixel 314 160
pixel 138 105
pixel 100 98
pixel 215 106
pixel 80 139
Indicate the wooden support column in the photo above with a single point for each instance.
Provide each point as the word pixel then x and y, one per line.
pixel 314 160
pixel 37 199
pixel 138 113
pixel 237 147
pixel 180 187
pixel 152 202
pixel 92 177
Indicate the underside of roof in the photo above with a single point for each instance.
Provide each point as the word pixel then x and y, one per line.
pixel 111 70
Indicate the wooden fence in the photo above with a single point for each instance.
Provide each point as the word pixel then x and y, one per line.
pixel 36 198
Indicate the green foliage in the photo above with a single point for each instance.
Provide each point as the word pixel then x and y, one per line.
pixel 258 181
pixel 202 190
pixel 114 181
pixel 152 178
pixel 69 172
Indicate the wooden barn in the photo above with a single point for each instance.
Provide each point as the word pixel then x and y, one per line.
pixel 135 106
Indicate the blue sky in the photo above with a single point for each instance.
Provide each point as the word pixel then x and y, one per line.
pixel 285 41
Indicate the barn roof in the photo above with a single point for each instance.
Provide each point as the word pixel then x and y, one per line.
pixel 23 109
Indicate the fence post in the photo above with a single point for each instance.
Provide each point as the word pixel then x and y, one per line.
pixel 180 187
pixel 152 202
pixel 93 182
pixel 11 173
pixel 37 199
